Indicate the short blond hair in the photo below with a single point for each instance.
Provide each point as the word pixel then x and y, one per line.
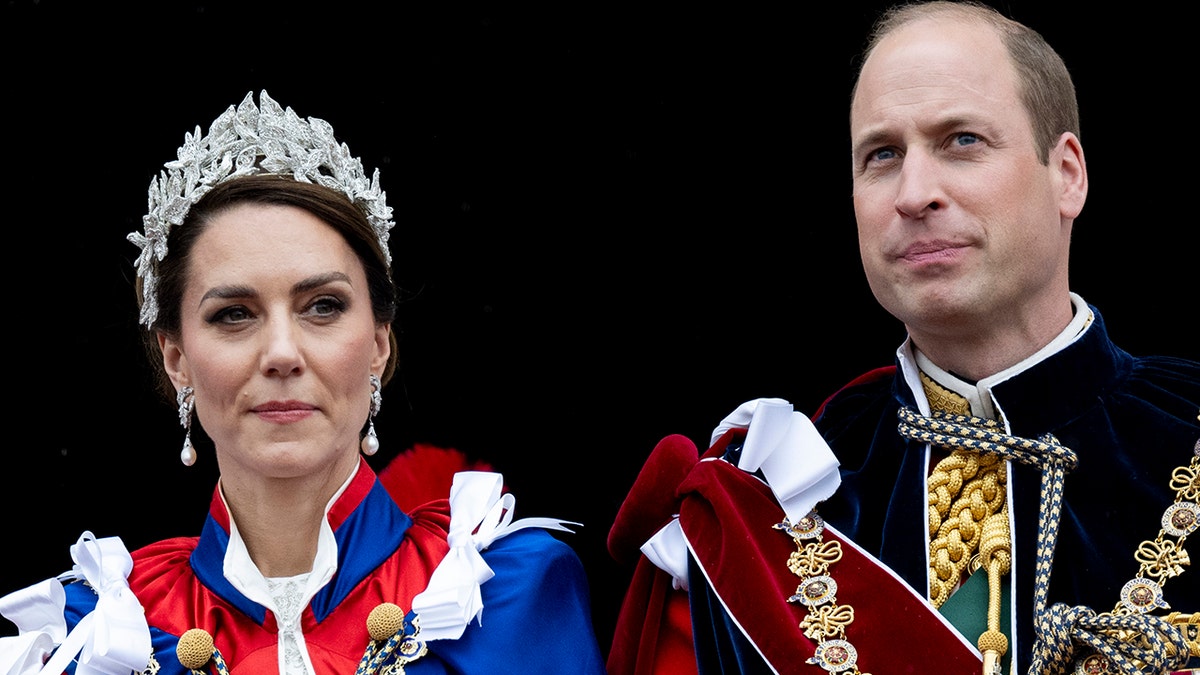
pixel 1047 91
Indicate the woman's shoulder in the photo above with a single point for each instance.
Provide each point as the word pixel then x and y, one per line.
pixel 154 576
pixel 159 567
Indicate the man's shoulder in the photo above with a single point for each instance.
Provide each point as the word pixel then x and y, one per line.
pixel 1168 369
pixel 863 390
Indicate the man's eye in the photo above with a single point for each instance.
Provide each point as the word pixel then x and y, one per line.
pixel 882 155
pixel 965 139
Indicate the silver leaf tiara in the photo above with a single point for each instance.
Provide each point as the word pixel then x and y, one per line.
pixel 244 141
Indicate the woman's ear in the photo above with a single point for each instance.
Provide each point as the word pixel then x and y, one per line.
pixel 383 348
pixel 174 361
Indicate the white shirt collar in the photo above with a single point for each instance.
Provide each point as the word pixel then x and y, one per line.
pixel 245 576
pixel 979 394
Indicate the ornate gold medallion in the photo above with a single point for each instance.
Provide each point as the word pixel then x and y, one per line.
pixel 1159 560
pixel 836 656
pixel 1181 519
pixel 1094 664
pixel 816 591
pixel 1142 595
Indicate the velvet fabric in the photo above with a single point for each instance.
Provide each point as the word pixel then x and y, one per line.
pixel 653 633
pixel 741 621
pixel 1132 421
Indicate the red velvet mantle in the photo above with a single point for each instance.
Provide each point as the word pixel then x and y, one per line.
pixel 727 517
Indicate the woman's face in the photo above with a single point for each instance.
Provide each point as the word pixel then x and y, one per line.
pixel 277 337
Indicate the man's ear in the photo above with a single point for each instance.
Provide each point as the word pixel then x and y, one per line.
pixel 1067 159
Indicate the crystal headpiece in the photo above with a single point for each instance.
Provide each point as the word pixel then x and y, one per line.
pixel 244 141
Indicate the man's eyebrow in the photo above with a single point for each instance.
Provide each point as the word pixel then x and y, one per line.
pixel 872 139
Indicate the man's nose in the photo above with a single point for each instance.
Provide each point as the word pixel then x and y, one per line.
pixel 921 188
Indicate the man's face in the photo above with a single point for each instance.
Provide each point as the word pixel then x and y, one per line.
pixel 961 226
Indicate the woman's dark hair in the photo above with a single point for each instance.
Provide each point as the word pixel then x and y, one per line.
pixel 331 206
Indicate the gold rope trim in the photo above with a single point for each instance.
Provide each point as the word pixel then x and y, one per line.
pixel 968 523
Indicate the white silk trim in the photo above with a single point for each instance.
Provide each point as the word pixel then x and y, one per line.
pixel 667 549
pixel 797 463
pixel 24 653
pixel 112 638
pixel 479 515
pixel 795 460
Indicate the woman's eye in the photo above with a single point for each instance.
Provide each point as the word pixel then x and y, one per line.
pixel 235 314
pixel 327 306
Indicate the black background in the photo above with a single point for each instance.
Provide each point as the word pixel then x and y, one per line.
pixel 613 222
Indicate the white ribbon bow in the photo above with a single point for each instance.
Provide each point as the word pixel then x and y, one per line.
pixel 479 515
pixel 796 461
pixel 113 639
pixel 799 467
pixel 37 612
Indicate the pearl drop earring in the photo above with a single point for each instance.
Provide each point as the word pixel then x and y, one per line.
pixel 186 398
pixel 370 442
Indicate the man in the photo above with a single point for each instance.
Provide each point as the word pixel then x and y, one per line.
pixel 1013 495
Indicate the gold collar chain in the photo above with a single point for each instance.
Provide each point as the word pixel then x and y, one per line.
pixel 1130 638
pixel 1161 559
pixel 826 620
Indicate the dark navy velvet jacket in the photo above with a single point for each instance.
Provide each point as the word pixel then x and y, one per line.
pixel 1131 421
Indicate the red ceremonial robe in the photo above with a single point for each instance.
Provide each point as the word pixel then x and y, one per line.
pixel 726 516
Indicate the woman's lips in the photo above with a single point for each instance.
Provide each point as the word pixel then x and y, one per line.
pixel 283 412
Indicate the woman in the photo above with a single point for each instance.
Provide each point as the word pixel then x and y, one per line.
pixel 266 294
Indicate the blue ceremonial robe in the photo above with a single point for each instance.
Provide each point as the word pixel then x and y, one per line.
pixel 1131 420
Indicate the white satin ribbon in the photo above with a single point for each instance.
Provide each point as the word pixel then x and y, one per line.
pixel 796 461
pixel 114 637
pixel 23 654
pixel 38 609
pixel 479 515
pixel 667 549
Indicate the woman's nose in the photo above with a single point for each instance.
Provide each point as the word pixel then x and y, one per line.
pixel 281 353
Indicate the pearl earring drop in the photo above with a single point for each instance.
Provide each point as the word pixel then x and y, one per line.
pixel 370 442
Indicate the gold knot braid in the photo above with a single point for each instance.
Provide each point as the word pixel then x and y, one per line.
pixel 1189 626
pixel 968 513
pixel 1130 639
pixel 965 489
